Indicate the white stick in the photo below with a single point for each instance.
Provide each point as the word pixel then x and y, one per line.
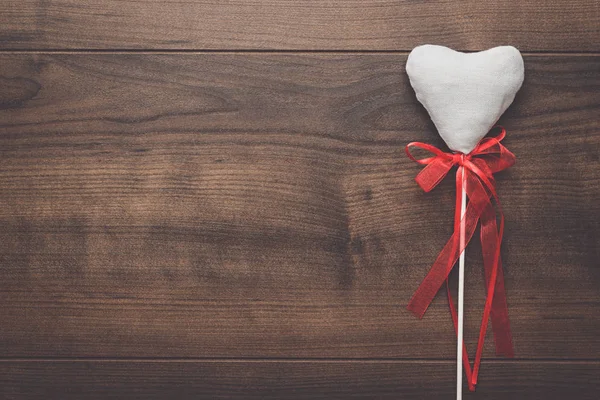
pixel 461 295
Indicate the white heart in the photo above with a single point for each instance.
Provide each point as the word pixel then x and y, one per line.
pixel 465 93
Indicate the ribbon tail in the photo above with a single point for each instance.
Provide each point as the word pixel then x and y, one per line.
pixel 445 261
pixel 491 252
pixel 465 356
pixel 499 309
pixel 441 268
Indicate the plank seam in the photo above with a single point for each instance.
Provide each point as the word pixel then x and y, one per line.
pixel 260 51
pixel 294 360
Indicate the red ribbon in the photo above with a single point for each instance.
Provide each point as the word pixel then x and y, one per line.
pixel 475 173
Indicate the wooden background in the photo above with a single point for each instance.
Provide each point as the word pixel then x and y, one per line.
pixel 208 199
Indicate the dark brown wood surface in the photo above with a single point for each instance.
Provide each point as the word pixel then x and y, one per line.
pixel 236 205
pixel 251 206
pixel 549 25
pixel 245 224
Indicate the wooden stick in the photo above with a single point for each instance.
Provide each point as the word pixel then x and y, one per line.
pixel 461 294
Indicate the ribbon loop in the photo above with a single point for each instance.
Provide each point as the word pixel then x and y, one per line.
pixel 478 167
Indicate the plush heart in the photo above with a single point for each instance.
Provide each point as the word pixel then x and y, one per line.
pixel 465 93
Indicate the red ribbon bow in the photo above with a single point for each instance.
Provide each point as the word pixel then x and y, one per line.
pixel 474 174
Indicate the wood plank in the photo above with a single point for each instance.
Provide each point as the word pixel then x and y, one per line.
pixel 291 380
pixel 260 205
pixel 543 25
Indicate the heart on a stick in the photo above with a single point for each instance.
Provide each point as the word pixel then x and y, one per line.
pixel 465 93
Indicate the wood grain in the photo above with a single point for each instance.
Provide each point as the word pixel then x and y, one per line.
pixel 92 380
pixel 260 205
pixel 542 25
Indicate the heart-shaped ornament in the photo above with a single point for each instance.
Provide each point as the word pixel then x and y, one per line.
pixel 465 93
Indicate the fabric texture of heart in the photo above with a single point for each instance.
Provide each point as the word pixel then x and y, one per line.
pixel 465 93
